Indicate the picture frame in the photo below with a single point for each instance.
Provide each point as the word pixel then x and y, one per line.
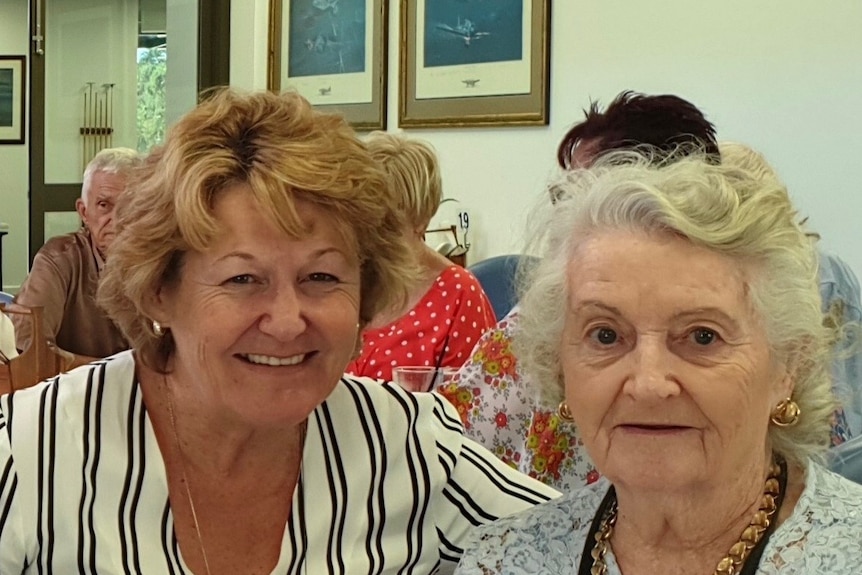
pixel 334 53
pixel 13 78
pixel 462 64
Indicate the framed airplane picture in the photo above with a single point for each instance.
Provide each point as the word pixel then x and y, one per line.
pixel 474 63
pixel 333 52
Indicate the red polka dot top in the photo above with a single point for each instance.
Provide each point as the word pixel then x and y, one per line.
pixel 454 306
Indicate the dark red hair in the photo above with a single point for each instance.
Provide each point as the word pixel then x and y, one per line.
pixel 664 122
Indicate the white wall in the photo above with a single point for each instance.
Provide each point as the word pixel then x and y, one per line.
pixel 14 165
pixel 782 76
pixel 88 43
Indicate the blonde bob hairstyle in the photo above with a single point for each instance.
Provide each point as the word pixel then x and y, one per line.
pixel 414 175
pixel 733 209
pixel 284 151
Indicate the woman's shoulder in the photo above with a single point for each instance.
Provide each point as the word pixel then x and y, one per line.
pixel 389 404
pixel 370 419
pixel 831 497
pixel 828 519
pixel 457 278
pixel 572 509
pixel 100 381
pixel 57 422
pixel 545 538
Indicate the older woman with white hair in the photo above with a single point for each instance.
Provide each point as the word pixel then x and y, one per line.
pixel 676 317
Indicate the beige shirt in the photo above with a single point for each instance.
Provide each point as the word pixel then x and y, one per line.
pixel 63 280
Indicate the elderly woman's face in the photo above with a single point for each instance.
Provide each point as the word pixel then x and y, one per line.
pixel 667 368
pixel 264 324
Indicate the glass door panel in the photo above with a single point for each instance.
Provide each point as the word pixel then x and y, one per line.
pixel 111 73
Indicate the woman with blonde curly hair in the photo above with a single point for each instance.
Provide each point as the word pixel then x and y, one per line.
pixel 676 317
pixel 252 249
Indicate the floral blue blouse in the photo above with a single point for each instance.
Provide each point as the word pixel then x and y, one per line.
pixel 822 536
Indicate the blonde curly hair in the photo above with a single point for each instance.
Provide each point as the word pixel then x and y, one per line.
pixel 414 174
pixel 284 151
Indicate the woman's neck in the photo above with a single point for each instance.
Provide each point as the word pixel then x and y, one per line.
pixel 688 533
pixel 181 418
pixel 431 265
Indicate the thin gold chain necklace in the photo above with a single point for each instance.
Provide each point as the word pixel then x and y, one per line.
pixel 185 478
pixel 182 458
pixel 730 564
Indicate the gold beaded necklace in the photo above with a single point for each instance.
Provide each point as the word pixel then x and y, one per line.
pixel 730 564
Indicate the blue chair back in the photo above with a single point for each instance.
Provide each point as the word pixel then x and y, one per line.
pixel 6 297
pixel 846 459
pixel 497 276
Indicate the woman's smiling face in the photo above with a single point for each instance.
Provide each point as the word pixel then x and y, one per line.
pixel 667 367
pixel 264 324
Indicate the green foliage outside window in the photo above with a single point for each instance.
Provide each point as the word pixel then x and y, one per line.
pixel 152 66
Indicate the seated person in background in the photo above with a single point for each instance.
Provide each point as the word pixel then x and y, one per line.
pixel 66 270
pixel 251 249
pixel 446 311
pixel 497 402
pixel 840 294
pixel 676 313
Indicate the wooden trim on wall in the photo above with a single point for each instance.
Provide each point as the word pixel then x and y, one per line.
pixel 213 43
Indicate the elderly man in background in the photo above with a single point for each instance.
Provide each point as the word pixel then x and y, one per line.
pixel 65 271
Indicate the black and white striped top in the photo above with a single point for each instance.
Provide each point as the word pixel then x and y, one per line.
pixel 388 483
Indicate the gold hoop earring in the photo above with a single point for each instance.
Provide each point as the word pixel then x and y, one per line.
pixel 158 329
pixel 564 411
pixel 786 413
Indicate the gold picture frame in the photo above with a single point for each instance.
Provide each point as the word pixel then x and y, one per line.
pixel 333 60
pixel 13 86
pixel 443 84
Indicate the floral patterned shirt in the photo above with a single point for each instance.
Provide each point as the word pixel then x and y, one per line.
pixel 498 408
pixel 823 535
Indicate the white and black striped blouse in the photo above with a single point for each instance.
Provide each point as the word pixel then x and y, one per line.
pixel 388 483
